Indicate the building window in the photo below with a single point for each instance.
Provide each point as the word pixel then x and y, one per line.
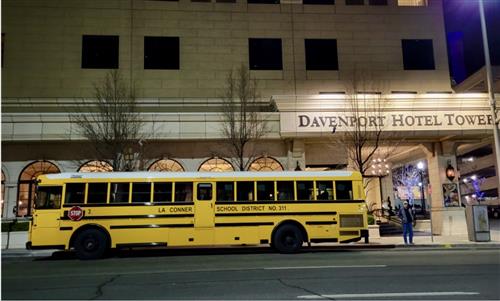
pixel 354 2
pixel 324 2
pixel 96 166
pixel 216 164
pixel 161 53
pixel 265 164
pixel 264 1
pixel 26 185
pixel 265 54
pixel 412 2
pixel 166 165
pixel 418 55
pixel 321 54
pixel 100 52
pixel 377 2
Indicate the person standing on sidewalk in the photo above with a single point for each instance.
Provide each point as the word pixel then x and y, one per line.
pixel 407 218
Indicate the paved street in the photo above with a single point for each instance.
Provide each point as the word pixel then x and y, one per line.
pixel 259 274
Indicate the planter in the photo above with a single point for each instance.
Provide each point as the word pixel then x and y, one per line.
pixel 16 240
pixel 374 231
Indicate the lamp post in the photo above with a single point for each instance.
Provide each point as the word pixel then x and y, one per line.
pixel 491 93
pixel 420 166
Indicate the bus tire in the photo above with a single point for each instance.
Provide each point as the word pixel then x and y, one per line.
pixel 288 239
pixel 91 244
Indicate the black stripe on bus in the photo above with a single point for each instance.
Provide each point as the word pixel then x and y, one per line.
pixel 65 228
pixel 243 224
pixel 65 217
pixel 153 226
pixel 143 244
pixel 130 204
pixel 289 202
pixel 322 223
pixel 319 240
pixel 276 213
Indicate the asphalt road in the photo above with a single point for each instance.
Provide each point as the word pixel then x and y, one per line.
pixel 256 274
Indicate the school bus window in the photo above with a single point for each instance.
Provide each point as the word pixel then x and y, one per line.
pixel 225 191
pixel 97 193
pixel 119 192
pixel 305 190
pixel 265 191
pixel 141 192
pixel 324 190
pixel 204 192
pixel 48 197
pixel 344 190
pixel 285 190
pixel 245 191
pixel 162 192
pixel 75 193
pixel 183 192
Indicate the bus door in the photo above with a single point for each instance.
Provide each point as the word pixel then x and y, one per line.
pixel 204 205
pixel 47 207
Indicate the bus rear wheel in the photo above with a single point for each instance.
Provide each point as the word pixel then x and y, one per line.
pixel 91 244
pixel 288 239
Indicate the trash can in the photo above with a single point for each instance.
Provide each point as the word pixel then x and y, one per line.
pixel 478 225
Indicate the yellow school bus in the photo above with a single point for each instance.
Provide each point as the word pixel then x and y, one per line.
pixel 95 212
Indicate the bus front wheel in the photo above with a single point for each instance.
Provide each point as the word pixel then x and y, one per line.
pixel 287 239
pixel 91 244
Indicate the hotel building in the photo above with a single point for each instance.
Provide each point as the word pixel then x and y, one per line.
pixel 311 58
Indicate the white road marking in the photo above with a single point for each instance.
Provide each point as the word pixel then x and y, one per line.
pixel 327 267
pixel 385 295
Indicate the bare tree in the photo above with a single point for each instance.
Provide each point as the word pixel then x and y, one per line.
pixel 364 136
pixel 112 123
pixel 242 124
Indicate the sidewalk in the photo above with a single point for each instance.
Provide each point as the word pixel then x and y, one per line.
pixel 422 241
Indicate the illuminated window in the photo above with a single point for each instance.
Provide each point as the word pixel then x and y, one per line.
pixel 216 164
pixel 412 2
pixel 166 165
pixel 3 194
pixel 96 166
pixel 265 164
pixel 26 185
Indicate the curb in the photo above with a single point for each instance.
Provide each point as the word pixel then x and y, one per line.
pixel 21 253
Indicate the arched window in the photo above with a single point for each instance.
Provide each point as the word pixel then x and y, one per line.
pixel 265 164
pixel 216 164
pixel 26 185
pixel 96 166
pixel 166 165
pixel 3 194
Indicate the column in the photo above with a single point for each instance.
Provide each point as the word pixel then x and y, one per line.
pixel 447 218
pixel 296 153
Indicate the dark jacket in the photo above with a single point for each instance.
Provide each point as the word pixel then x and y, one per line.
pixel 402 213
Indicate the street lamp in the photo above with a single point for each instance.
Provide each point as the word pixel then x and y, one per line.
pixel 489 80
pixel 420 166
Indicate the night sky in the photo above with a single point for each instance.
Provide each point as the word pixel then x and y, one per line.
pixel 463 30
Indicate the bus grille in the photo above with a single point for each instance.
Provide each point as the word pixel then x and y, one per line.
pixel 351 220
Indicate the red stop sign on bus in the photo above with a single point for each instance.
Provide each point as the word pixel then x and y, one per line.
pixel 75 213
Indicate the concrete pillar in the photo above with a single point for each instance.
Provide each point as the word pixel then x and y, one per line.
pixel 297 153
pixel 446 220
